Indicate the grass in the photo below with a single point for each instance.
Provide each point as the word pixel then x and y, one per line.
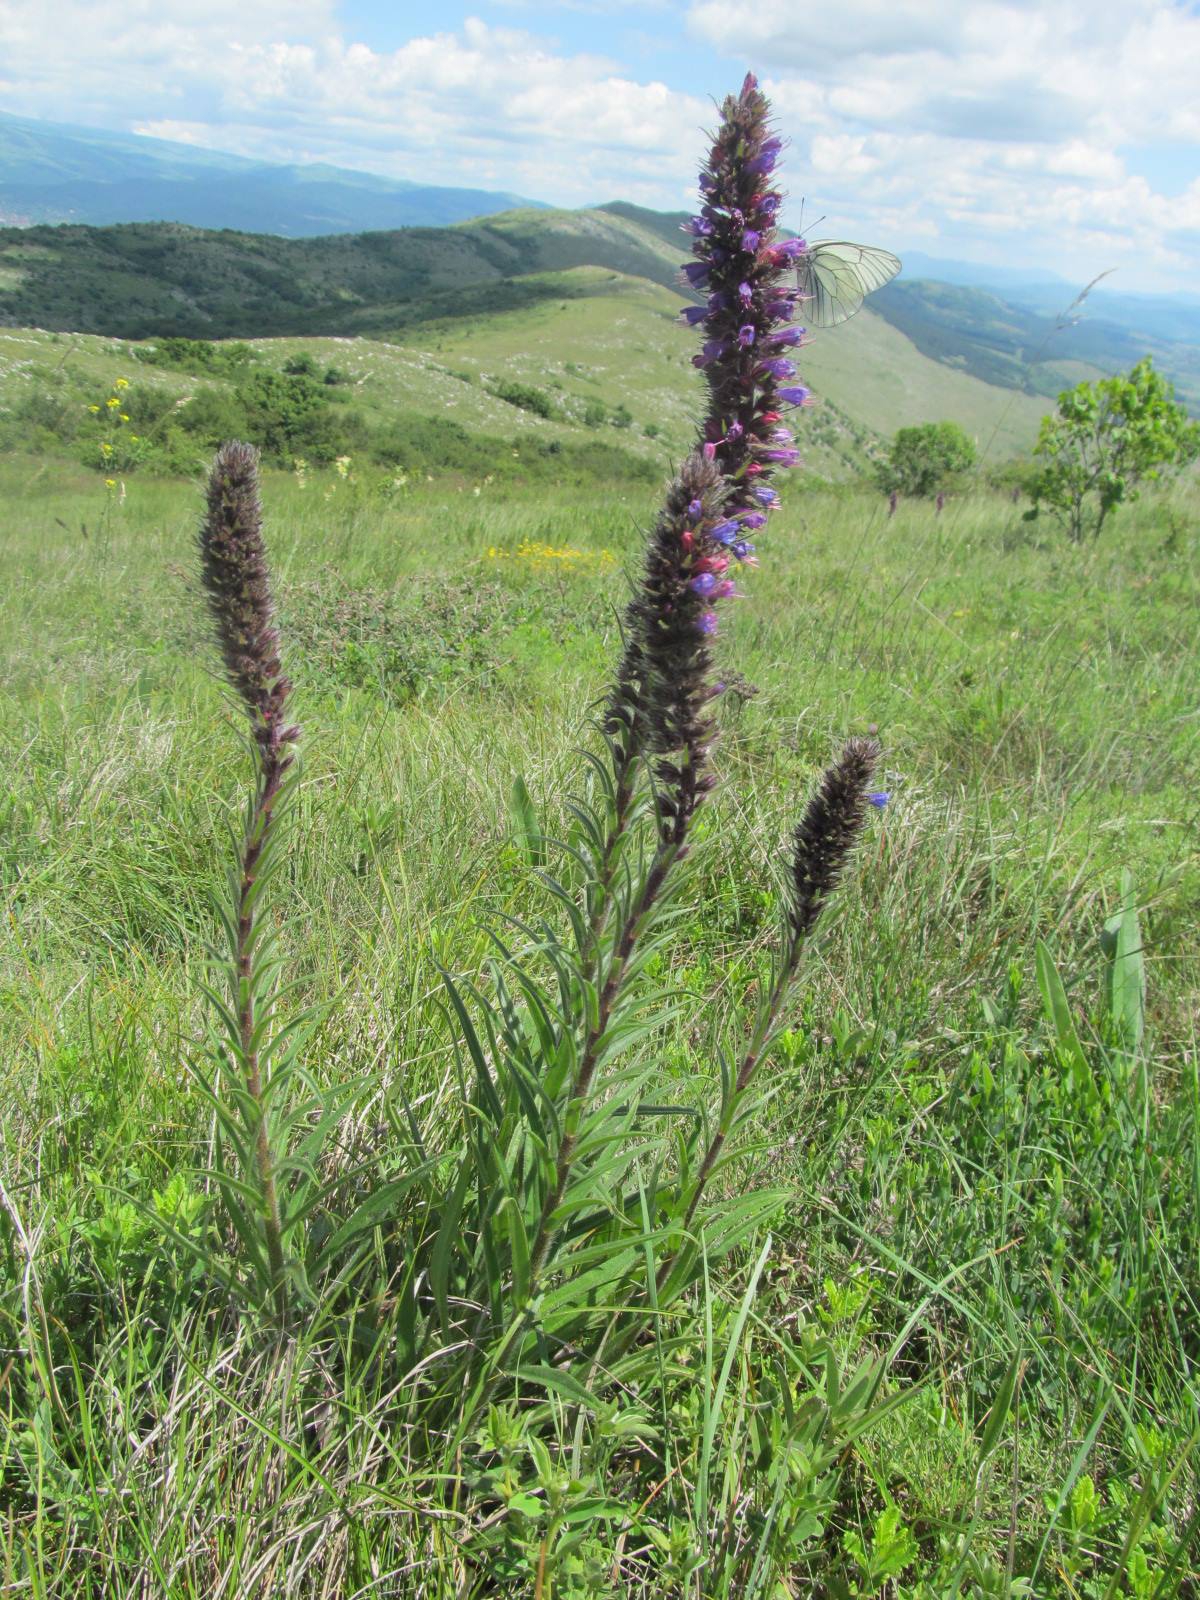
pixel 990 1196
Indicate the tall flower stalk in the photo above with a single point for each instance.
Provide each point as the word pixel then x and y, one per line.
pixel 237 585
pixel 658 710
pixel 820 849
pixel 740 266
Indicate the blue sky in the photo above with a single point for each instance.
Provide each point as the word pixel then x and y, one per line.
pixel 1059 134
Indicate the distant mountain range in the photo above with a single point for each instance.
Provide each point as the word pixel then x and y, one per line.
pixel 52 172
pixel 343 253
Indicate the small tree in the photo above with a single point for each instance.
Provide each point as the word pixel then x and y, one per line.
pixel 924 459
pixel 1103 442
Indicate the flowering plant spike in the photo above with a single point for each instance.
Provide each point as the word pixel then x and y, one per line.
pixel 741 266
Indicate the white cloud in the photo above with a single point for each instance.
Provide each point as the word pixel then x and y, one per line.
pixel 958 124
pixel 1017 120
pixel 481 107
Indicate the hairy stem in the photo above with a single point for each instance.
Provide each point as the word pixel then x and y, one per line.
pixel 257 836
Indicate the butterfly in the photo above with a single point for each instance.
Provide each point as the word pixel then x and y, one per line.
pixel 836 276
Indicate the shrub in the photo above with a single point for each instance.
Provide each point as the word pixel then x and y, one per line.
pixel 1103 442
pixel 924 460
pixel 525 397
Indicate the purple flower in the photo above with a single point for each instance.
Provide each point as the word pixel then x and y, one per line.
pixel 696 272
pixel 788 250
pixel 746 335
pixel 745 293
pixel 750 239
pixel 765 495
pixel 781 458
pixel 797 395
pixel 695 510
pixel 706 622
pixel 725 532
pixel 743 550
pixel 790 336
pixel 701 227
pixel 880 798
pixel 778 367
pixel 704 583
pixel 691 315
pixel 712 350
pixel 754 519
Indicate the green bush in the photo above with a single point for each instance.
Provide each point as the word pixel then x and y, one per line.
pixel 924 460
pixel 524 396
pixel 1103 442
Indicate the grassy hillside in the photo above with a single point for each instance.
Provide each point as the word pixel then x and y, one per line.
pixel 984 1195
pixel 139 281
pixel 1027 349
pixel 589 361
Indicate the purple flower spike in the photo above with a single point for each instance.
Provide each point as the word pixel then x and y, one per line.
pixel 748 338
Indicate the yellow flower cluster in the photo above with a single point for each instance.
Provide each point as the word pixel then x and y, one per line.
pixel 539 556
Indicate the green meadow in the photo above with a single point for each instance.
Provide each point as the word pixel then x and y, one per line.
pixel 984 1117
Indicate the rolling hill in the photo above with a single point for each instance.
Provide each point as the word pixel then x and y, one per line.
pixel 53 172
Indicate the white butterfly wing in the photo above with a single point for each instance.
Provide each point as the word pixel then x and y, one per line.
pixel 836 276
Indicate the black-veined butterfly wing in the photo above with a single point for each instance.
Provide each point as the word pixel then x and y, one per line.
pixel 836 276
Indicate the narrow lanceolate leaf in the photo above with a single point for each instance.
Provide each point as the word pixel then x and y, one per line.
pixel 526 819
pixel 1058 1010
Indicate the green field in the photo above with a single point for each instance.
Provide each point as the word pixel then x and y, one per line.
pixel 994 1195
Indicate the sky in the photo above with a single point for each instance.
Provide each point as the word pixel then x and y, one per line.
pixel 1056 135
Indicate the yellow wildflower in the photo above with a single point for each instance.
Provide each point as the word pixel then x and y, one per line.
pixel 112 402
pixel 110 483
pixel 95 410
pixel 121 383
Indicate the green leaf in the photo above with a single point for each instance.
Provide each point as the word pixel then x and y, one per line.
pixel 1058 1011
pixel 528 828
